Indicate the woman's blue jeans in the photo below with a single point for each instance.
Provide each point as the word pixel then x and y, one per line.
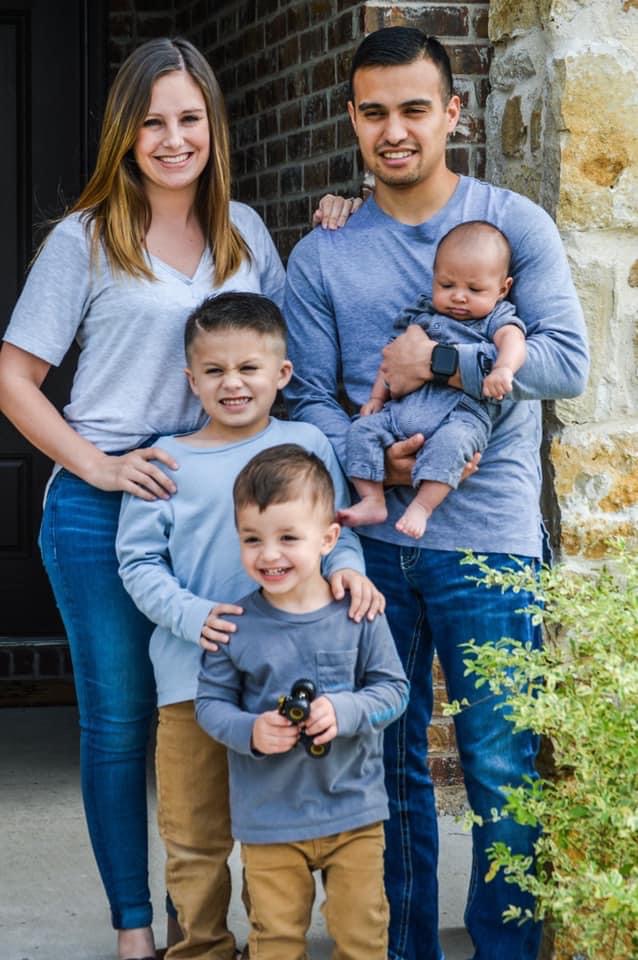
pixel 109 640
pixel 431 606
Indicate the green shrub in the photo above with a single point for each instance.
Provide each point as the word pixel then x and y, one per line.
pixel 581 692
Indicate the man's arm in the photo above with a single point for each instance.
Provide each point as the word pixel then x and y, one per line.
pixel 543 293
pixel 313 347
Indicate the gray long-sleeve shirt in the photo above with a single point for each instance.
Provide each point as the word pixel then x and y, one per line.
pixel 291 796
pixel 344 290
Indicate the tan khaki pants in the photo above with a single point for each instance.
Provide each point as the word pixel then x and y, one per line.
pixel 281 890
pixel 194 823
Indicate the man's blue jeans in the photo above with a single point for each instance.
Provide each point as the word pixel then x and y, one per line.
pixel 109 639
pixel 431 606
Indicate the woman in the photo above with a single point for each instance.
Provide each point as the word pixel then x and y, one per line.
pixel 152 233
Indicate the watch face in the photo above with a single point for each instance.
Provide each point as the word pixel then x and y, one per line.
pixel 445 360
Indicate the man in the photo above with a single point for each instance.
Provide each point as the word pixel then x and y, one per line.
pixel 344 290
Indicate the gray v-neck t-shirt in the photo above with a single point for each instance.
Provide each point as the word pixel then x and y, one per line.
pixel 129 384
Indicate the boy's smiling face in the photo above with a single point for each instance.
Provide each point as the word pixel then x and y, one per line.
pixel 282 547
pixel 236 375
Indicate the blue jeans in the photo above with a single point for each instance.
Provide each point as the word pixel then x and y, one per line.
pixel 109 639
pixel 431 606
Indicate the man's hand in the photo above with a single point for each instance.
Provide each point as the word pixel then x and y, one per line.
pixel 498 382
pixel 365 599
pixel 400 459
pixel 406 361
pixel 217 630
pixel 321 725
pixel 273 733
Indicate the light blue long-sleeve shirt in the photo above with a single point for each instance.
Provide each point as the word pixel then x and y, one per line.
pixel 344 290
pixel 180 557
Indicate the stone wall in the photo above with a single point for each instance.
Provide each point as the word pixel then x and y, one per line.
pixel 561 128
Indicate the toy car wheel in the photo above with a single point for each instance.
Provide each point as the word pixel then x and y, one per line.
pixel 296 710
pixel 303 688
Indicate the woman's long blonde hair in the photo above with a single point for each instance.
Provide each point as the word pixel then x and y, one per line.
pixel 114 200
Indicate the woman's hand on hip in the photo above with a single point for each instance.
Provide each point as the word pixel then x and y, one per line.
pixel 134 473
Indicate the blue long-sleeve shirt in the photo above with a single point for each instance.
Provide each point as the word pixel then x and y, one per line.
pixel 344 290
pixel 291 796
pixel 180 557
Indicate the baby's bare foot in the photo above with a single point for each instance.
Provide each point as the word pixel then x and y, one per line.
pixel 368 510
pixel 414 521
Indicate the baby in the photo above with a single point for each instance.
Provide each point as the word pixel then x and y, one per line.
pixel 469 286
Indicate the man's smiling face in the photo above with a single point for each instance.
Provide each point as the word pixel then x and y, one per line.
pixel 401 122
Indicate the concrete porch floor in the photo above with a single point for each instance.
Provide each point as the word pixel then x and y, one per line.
pixel 52 905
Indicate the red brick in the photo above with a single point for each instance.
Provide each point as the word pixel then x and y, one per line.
pixel 469 57
pixel 288 52
pixel 275 152
pixel 322 139
pixel 297 17
pixel 312 43
pixel 339 97
pixel 345 134
pixel 323 74
pixel 315 175
pixel 341 167
pixel 268 184
pixel 276 29
pixel 446 771
pixel 289 117
pixel 268 125
pixel 299 145
pixel 458 159
pixel 255 158
pixel 298 211
pixel 341 31
pixel 480 21
pixel 319 10
pixel 315 109
pixel 290 180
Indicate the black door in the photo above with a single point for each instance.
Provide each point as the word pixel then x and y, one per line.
pixel 52 83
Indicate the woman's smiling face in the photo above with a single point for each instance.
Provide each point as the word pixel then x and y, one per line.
pixel 172 147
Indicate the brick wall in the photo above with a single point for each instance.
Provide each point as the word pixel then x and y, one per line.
pixel 283 67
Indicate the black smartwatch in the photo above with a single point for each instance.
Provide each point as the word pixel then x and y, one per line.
pixel 444 362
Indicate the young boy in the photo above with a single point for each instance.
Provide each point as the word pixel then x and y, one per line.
pixel 470 282
pixel 179 560
pixel 295 812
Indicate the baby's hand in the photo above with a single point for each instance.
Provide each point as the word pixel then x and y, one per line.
pixel 273 733
pixel 215 629
pixel 498 382
pixel 373 405
pixel 322 722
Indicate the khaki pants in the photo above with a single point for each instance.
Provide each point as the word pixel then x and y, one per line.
pixel 281 890
pixel 194 823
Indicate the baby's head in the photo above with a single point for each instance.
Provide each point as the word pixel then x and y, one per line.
pixel 235 346
pixel 284 512
pixel 471 271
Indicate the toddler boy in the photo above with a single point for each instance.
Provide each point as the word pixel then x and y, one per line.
pixel 469 285
pixel 179 560
pixel 294 812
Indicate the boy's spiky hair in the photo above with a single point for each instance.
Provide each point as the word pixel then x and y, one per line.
pixel 235 311
pixel 282 473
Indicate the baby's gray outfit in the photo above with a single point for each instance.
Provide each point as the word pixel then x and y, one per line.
pixel 455 425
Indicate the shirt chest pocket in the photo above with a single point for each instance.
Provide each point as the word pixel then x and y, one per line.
pixel 335 670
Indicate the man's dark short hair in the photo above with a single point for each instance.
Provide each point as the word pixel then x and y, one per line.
pixel 282 473
pixel 396 46
pixel 235 311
